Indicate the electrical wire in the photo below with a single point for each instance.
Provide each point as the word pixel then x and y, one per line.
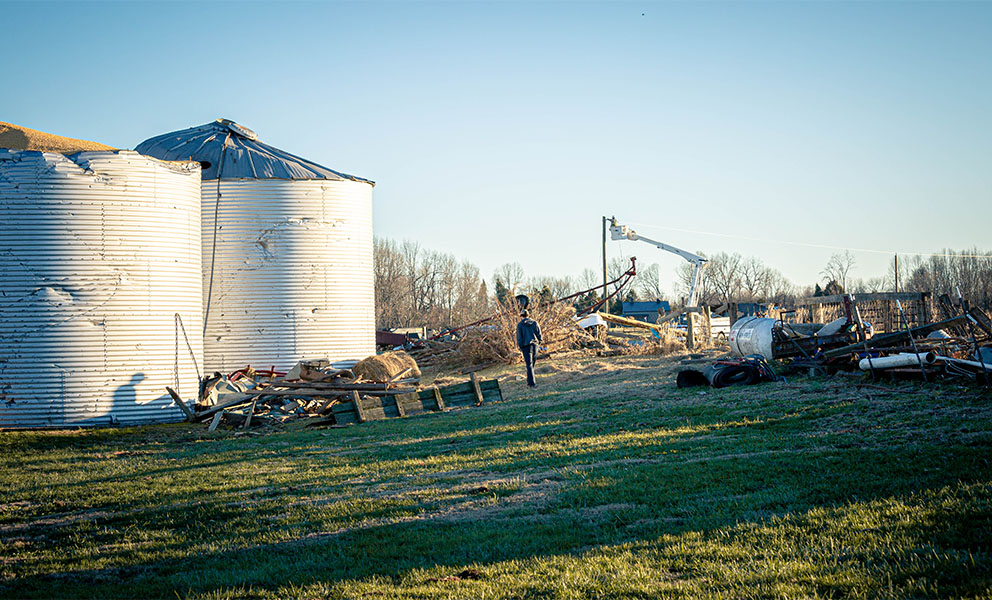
pixel 808 244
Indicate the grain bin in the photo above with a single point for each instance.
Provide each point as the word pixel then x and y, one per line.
pixel 287 252
pixel 99 275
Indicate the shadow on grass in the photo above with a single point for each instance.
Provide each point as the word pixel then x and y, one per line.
pixel 627 473
pixel 601 507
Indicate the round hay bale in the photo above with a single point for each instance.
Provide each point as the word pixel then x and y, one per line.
pixel 385 366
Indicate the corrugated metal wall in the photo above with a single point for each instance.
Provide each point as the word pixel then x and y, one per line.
pixel 290 275
pixel 99 252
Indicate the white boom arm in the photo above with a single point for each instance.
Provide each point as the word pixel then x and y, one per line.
pixel 622 232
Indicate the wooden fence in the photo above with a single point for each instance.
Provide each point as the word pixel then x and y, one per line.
pixel 878 309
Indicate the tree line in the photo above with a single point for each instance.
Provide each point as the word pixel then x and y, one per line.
pixel 416 286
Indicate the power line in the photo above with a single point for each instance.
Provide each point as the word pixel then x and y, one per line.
pixel 809 245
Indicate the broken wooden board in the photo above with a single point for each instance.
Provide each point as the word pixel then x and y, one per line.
pixel 415 403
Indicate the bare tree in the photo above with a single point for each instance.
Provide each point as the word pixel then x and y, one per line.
pixel 648 282
pixel 590 279
pixel 755 278
pixel 559 287
pixel 510 275
pixel 724 274
pixel 838 268
pixel 423 287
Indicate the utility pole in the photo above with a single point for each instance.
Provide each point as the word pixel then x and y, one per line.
pixel 605 294
pixel 897 272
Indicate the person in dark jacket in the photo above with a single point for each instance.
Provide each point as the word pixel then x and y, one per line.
pixel 528 337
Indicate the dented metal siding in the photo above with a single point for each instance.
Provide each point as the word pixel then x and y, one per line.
pixel 99 252
pixel 291 272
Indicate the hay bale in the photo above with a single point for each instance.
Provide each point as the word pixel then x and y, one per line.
pixel 385 366
pixel 16 137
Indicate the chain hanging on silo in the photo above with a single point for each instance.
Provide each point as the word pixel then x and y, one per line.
pixel 213 245
pixel 175 369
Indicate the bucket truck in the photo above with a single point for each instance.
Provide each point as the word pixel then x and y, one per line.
pixel 622 232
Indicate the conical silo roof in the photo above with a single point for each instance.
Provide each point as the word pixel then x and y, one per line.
pixel 227 150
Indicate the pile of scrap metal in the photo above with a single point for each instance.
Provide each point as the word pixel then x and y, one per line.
pixel 957 346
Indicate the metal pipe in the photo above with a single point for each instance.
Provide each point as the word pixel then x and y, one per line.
pixel 899 360
pixel 961 361
pixel 912 340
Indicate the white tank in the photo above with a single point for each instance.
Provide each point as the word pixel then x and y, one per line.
pixel 99 272
pixel 752 335
pixel 287 252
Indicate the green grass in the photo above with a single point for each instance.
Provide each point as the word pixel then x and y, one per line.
pixel 602 483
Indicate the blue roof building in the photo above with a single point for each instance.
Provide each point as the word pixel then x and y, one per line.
pixel 645 311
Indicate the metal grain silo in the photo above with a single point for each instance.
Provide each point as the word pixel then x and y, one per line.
pixel 99 274
pixel 287 252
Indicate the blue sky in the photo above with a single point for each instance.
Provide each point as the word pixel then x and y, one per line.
pixel 502 132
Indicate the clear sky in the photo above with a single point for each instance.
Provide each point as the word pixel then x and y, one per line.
pixel 502 132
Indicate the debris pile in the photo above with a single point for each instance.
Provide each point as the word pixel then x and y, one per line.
pixel 494 342
pixel 250 398
pixel 956 346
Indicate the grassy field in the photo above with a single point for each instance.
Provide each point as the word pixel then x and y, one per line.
pixel 604 482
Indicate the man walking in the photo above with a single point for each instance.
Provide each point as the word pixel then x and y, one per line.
pixel 528 337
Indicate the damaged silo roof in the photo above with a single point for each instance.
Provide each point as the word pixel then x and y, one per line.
pixel 227 150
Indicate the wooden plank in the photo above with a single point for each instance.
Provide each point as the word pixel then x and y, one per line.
pixel 399 406
pixel 251 411
pixel 491 391
pixel 373 414
pixel 634 322
pixel 182 405
pixel 216 421
pixel 413 409
pixel 204 415
pixel 982 320
pixel 439 400
pixel 478 391
pixel 379 408
pixel 289 386
pixel 345 418
pixel 690 334
pixel 400 375
pixel 358 406
pixel 327 406
pixel 459 401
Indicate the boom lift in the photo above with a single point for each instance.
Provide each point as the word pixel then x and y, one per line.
pixel 622 232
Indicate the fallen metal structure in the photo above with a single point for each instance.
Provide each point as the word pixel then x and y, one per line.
pixel 957 346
